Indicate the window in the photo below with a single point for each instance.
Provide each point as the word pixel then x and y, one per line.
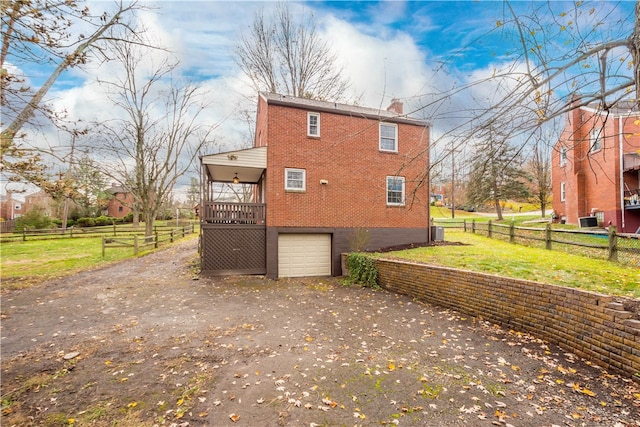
pixel 388 137
pixel 596 139
pixel 395 190
pixel 313 124
pixel 562 192
pixel 120 209
pixel 563 156
pixel 294 179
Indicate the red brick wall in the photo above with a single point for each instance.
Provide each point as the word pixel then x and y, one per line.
pixel 592 180
pixel 120 200
pixel 346 155
pixel 590 325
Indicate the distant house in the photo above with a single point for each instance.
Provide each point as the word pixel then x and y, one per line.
pixel 328 178
pixel 10 206
pixel 596 167
pixel 121 202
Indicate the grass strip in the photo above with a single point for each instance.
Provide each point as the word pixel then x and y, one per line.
pixel 492 256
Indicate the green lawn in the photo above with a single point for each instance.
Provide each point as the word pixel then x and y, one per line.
pixel 24 263
pixel 511 260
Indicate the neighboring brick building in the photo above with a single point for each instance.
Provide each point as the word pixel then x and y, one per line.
pixel 328 178
pixel 121 202
pixel 596 167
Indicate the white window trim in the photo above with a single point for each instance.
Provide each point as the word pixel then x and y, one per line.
pixel 386 190
pixel 596 135
pixel 563 156
pixel 286 179
pixel 316 115
pixel 563 195
pixel 395 126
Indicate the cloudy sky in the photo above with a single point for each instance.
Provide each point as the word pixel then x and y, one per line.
pixel 389 49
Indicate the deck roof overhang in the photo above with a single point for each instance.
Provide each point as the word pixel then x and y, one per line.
pixel 248 165
pixel 631 161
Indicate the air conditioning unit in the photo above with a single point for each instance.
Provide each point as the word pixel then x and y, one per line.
pixel 588 221
pixel 437 233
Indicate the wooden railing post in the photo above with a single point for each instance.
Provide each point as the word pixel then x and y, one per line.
pixel 512 232
pixel 464 225
pixel 547 236
pixel 135 245
pixel 157 239
pixel 114 229
pixel 473 226
pixel 489 233
pixel 613 244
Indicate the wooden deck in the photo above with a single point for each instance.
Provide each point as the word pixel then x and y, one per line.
pixel 234 213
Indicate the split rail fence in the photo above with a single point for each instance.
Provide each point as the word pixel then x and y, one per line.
pixel 79 232
pixel 623 248
pixel 140 243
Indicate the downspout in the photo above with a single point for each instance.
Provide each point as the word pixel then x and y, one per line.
pixel 620 141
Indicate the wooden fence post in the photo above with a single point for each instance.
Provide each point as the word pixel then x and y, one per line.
pixel 464 225
pixel 489 233
pixel 512 232
pixel 547 236
pixel 613 244
pixel 114 229
pixel 157 239
pixel 473 226
pixel 135 244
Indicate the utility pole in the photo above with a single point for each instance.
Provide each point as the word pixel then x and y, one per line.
pixel 453 181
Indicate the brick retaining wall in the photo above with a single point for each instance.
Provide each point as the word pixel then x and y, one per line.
pixel 590 325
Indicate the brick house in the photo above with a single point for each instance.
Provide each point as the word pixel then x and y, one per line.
pixel 121 202
pixel 327 178
pixel 595 167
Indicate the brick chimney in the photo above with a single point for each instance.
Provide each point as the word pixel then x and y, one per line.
pixel 396 106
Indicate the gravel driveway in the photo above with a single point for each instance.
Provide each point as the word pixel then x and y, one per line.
pixel 148 342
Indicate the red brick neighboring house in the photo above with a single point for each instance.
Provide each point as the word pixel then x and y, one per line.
pixel 121 202
pixel 12 207
pixel 596 167
pixel 328 178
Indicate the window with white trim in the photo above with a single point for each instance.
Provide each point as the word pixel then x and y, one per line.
pixel 294 179
pixel 562 192
pixel 563 156
pixel 389 137
pixel 313 124
pixel 395 190
pixel 596 139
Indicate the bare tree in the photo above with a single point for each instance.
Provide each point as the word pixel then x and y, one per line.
pixel 43 32
pixel 539 168
pixel 564 55
pixel 280 55
pixel 160 133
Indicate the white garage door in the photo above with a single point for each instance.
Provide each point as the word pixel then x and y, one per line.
pixel 302 255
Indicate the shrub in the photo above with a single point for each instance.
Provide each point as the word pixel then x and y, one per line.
pixel 86 222
pixel 362 269
pixel 104 220
pixel 34 218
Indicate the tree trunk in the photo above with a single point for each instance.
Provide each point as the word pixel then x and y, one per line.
pixel 496 203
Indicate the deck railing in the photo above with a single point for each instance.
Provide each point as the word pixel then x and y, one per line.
pixel 234 213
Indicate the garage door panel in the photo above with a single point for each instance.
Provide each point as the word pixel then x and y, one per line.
pixel 304 255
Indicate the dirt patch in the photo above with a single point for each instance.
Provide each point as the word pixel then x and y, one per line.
pixel 147 342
